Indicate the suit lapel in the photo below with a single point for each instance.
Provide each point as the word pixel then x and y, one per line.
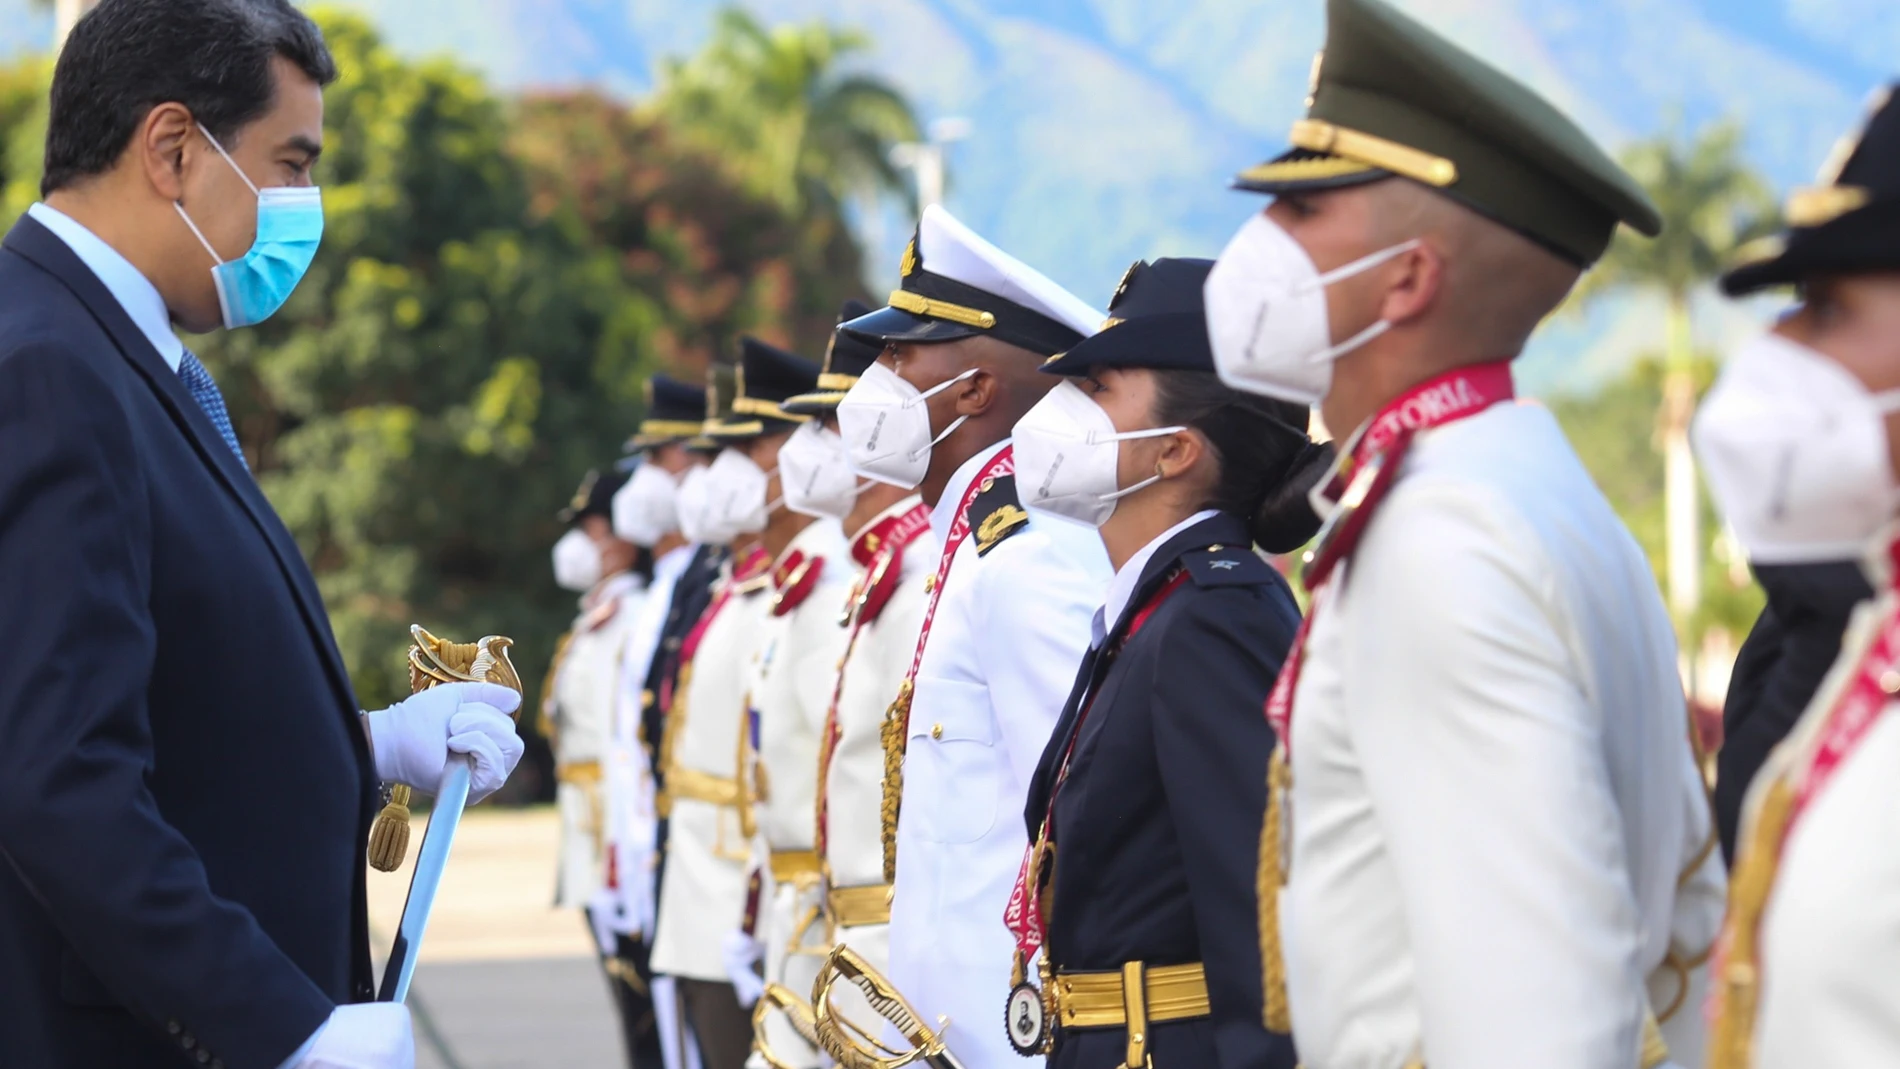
pixel 45 250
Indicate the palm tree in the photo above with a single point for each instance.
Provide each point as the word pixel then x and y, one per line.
pixel 775 107
pixel 1711 205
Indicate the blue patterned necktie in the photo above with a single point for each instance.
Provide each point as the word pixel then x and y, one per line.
pixel 205 392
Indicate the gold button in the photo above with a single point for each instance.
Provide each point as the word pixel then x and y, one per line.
pixel 985 487
pixel 936 731
pixel 1215 548
pixel 1890 681
pixel 930 583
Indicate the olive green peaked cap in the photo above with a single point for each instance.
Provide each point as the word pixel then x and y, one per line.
pixel 1390 97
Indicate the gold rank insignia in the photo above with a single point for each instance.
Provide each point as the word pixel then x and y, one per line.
pixel 909 263
pixel 997 525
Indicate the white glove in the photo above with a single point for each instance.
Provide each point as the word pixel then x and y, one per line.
pixel 607 912
pixel 414 737
pixel 371 1035
pixel 742 954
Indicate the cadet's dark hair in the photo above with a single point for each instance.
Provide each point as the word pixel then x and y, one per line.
pixel 1267 463
pixel 126 57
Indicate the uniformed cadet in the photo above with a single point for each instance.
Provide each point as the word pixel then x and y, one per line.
pixel 645 513
pixel 893 552
pixel 578 714
pixel 1148 800
pixel 578 709
pixel 1008 618
pixel 788 689
pixel 1495 843
pixel 703 875
pixel 1799 442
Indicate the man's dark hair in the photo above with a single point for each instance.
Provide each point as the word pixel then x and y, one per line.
pixel 126 57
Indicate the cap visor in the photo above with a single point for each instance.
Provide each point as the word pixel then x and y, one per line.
pixel 888 326
pixel 1176 342
pixel 813 404
pixel 731 430
pixel 1301 170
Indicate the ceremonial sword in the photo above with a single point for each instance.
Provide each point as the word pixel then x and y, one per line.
pixel 433 662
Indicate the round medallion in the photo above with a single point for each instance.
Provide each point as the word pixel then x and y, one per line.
pixel 1023 1019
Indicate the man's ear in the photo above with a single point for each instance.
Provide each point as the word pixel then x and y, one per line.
pixel 1417 276
pixel 977 394
pixel 161 145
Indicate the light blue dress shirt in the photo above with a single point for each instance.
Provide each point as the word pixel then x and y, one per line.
pixel 134 292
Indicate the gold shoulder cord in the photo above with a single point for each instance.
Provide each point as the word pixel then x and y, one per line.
pixel 747 773
pixel 896 723
pixel 1732 1033
pixel 670 734
pixel 1272 877
pixel 433 661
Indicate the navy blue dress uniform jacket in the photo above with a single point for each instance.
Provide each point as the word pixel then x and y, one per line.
pixel 185 792
pixel 1157 828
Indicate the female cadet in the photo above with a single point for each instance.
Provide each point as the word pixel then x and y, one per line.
pixel 1145 812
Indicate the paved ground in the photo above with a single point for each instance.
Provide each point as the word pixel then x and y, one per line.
pixel 507 981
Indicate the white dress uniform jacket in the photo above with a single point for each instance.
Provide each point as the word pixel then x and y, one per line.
pixel 1830 942
pixel 797 664
pixel 1494 801
pixel 702 895
pixel 871 674
pixel 1010 629
pixel 631 797
pixel 580 712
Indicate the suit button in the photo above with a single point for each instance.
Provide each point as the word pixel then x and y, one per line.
pixel 174 1027
pixel 930 583
pixel 188 1041
pixel 217 1063
pixel 936 731
pixel 204 1057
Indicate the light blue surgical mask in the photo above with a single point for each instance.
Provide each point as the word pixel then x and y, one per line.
pixel 289 229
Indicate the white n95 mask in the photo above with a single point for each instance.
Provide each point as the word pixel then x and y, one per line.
pixel 646 510
pixel 815 475
pixel 1795 449
pixel 886 426
pixel 695 525
pixel 1067 451
pixel 1266 313
pixel 576 562
pixel 735 495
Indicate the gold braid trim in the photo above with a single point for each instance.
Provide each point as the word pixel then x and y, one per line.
pixel 893 731
pixel 1272 877
pixel 747 772
pixel 670 736
pixel 1738 988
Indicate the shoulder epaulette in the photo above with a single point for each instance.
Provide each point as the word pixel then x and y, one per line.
pixel 1223 565
pixel 793 581
pixel 996 513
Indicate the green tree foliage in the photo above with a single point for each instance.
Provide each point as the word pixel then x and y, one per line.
pixel 497 279
pixel 775 106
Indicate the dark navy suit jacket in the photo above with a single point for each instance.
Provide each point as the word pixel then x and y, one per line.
pixel 185 794
pixel 1157 828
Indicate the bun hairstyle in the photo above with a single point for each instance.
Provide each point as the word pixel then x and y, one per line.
pixel 1267 462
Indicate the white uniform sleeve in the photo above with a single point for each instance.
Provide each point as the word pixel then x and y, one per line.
pixel 1040 591
pixel 1482 755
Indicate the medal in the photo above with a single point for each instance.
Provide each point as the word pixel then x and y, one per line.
pixel 1025 1021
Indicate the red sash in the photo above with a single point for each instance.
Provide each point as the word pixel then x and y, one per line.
pixel 1367 472
pixel 879 549
pixel 1024 915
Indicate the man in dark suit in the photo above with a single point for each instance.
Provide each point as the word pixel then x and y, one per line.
pixel 185 781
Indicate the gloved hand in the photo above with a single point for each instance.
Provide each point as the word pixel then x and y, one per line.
pixel 742 954
pixel 414 737
pixel 372 1035
pixel 607 913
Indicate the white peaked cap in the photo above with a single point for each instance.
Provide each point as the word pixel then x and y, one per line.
pixel 955 251
pixel 957 285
